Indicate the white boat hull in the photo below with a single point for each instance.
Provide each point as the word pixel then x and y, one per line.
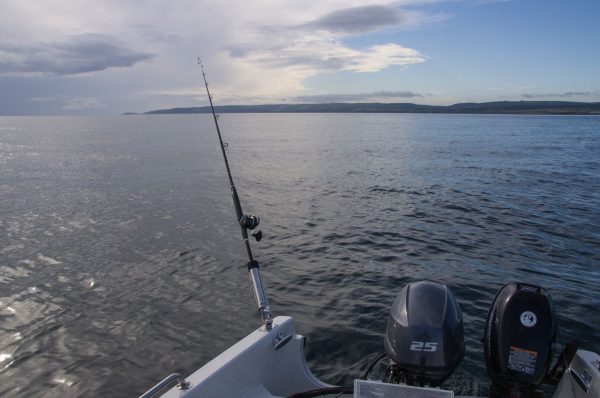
pixel 269 364
pixel 253 368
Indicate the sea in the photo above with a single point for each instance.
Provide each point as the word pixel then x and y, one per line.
pixel 121 260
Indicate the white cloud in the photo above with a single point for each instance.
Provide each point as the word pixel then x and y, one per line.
pixel 310 54
pixel 380 57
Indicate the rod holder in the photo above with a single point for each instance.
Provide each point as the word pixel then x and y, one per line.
pixel 260 294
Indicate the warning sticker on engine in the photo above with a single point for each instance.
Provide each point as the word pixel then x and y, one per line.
pixel 522 360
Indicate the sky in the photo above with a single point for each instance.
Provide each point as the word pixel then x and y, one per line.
pixel 63 57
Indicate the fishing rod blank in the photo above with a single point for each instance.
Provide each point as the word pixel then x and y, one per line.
pixel 246 222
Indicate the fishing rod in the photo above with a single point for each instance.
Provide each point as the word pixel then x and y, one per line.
pixel 247 222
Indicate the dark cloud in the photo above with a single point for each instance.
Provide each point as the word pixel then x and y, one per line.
pixel 70 56
pixel 568 94
pixel 358 19
pixel 321 98
pixel 238 51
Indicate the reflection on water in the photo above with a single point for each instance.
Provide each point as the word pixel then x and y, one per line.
pixel 121 260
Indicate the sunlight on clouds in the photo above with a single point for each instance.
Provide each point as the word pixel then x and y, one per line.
pixel 289 51
pixel 257 79
pixel 276 69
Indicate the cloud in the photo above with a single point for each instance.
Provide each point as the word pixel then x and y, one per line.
pixel 382 56
pixel 77 103
pixel 254 53
pixel 174 92
pixel 366 97
pixel 484 2
pixel 69 56
pixel 358 19
pixel 369 18
pixel 70 103
pixel 567 94
pixel 322 51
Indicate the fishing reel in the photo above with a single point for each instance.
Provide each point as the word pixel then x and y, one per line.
pixel 249 221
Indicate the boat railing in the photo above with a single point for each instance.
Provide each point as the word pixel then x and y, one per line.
pixel 182 384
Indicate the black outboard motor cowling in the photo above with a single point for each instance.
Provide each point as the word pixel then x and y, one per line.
pixel 519 339
pixel 424 335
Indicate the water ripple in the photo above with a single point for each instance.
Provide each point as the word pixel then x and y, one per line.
pixel 122 261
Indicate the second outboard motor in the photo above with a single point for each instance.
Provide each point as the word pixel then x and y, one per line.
pixel 519 339
pixel 424 335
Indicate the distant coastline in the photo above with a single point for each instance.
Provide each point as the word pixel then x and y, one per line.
pixel 498 107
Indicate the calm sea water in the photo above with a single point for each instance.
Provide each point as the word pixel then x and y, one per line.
pixel 121 260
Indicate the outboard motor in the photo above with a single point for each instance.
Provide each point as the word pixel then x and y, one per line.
pixel 519 340
pixel 424 335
